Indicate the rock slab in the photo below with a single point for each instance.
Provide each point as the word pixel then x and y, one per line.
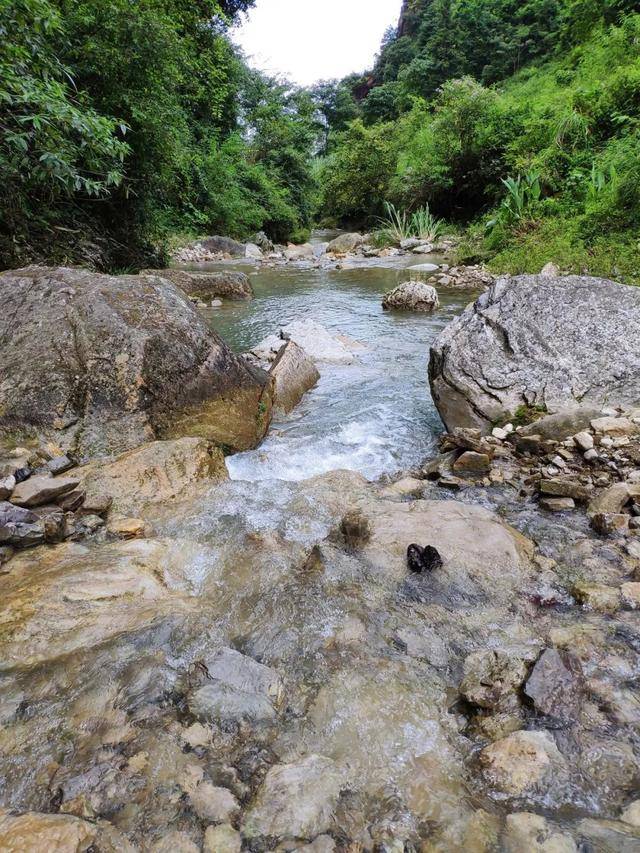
pixel 538 341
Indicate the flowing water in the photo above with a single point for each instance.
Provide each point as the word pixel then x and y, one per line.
pixel 105 645
pixel 375 416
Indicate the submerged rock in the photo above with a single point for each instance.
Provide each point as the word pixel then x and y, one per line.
pixel 294 373
pixel 535 834
pixel 538 341
pixel 155 473
pixel 123 360
pixel 412 296
pixel 295 801
pixel 320 343
pixel 555 685
pixel 238 688
pixel 524 763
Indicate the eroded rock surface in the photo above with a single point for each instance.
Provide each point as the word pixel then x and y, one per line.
pixel 100 364
pixel 412 296
pixel 208 285
pixel 538 341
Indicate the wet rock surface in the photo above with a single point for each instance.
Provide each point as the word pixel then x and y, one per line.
pixel 528 341
pixel 205 286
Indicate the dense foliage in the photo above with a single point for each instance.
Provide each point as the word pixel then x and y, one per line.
pixel 534 140
pixel 123 123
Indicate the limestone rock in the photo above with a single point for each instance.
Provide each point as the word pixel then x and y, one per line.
pixel 631 814
pixel 155 473
pixel 471 462
pixel 529 341
pixel 222 839
pixel 523 762
pixel 217 805
pixel 299 253
pixel 51 832
pixel 412 296
pixel 564 488
pixel 608 836
pixel 345 243
pixel 95 594
pixel 555 685
pixel 491 678
pixel 126 528
pixel 631 595
pixel 614 427
pixel 125 359
pixel 294 373
pixel 252 251
pixel 295 800
pixel 557 504
pixel 208 285
pixel 596 596
pixel 319 343
pixel 238 687
pixel 37 491
pixel 174 842
pixel 533 833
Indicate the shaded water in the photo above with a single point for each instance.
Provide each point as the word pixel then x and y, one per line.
pixel 374 416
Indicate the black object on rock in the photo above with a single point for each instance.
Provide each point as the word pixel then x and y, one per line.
pixel 424 559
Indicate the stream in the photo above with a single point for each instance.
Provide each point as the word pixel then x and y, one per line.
pixel 266 638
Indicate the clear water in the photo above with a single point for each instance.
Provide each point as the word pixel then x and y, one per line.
pixel 375 416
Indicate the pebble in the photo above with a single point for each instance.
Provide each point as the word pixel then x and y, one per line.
pixel 591 455
pixel 557 504
pixel 584 440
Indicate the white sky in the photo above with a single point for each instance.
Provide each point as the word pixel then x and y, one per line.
pixel 309 40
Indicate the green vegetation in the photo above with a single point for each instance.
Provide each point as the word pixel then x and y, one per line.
pixel 399 225
pixel 518 121
pixel 123 123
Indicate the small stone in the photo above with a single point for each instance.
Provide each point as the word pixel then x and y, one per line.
pixel 197 736
pixel 631 814
pixel 557 504
pixel 91 523
pixel 608 524
pixel 126 528
pixel 492 677
pixel 471 462
pixel 98 504
pixel 522 762
pixel 6 553
pixel 555 685
pixel 591 455
pixel 598 597
pixel 583 440
pixel 222 839
pixel 217 805
pixel 59 464
pixel 631 595
pixel 606 442
pixel 531 444
pixel 500 434
pixel 562 488
pixel 614 426
pixel 534 834
pixel 611 500
pixel 37 491
pixel 7 485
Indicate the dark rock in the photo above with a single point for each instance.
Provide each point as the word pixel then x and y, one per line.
pixel 224 245
pixel 22 474
pixel 59 464
pixel 97 504
pixel 12 514
pixel 555 685
pixel 467 439
pixel 72 500
pixel 608 524
pixel 529 341
pixel 128 357
pixel 425 559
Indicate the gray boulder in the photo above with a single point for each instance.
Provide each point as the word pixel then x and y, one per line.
pixel 100 364
pixel 208 285
pixel 538 341
pixel 345 243
pixel 412 296
pixel 225 245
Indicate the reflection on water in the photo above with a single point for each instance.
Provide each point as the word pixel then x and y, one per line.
pixel 374 416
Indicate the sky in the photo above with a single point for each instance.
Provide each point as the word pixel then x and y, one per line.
pixel 309 40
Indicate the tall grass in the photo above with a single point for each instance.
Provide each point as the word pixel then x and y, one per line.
pixel 399 225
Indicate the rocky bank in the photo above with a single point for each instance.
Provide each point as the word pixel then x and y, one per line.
pixel 229 675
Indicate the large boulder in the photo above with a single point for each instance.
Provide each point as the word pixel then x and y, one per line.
pixel 208 285
pixel 541 342
pixel 345 243
pixel 412 296
pixel 222 245
pixel 294 373
pixel 99 364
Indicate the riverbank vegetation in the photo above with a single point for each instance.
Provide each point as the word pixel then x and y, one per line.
pixel 520 123
pixel 124 123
